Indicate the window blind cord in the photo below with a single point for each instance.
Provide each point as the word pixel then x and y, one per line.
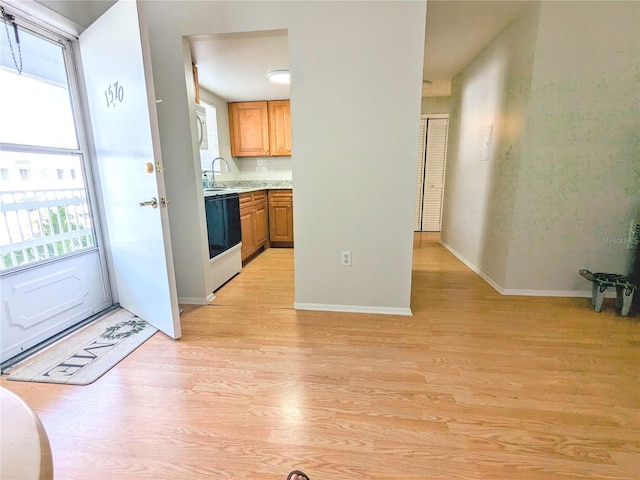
pixel 7 16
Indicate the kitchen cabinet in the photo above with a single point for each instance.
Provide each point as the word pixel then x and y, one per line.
pixel 279 128
pixel 253 222
pixel 249 129
pixel 281 218
pixel 259 129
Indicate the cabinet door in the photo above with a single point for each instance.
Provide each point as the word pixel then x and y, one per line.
pixel 281 216
pixel 248 234
pixel 279 128
pixel 280 222
pixel 261 223
pixel 247 225
pixel 249 129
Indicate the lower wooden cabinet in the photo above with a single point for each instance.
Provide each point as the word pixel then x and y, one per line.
pixel 266 220
pixel 253 222
pixel 281 218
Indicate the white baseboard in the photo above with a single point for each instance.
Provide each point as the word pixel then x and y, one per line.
pixel 324 307
pixel 475 269
pixel 553 293
pixel 192 301
pixel 611 293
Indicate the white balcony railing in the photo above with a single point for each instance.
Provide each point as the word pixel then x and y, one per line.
pixel 40 224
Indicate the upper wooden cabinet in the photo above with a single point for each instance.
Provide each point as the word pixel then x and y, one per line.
pixel 259 129
pixel 249 129
pixel 279 128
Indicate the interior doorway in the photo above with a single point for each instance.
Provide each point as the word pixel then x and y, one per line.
pixel 431 168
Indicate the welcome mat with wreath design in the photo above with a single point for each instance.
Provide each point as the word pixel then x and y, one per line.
pixel 86 355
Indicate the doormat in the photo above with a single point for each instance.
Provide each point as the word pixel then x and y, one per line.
pixel 83 357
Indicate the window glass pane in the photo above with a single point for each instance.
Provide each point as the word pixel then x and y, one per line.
pixel 45 214
pixel 36 105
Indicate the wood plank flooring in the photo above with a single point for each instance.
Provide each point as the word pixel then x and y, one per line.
pixel 473 386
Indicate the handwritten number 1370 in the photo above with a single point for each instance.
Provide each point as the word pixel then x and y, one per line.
pixel 114 94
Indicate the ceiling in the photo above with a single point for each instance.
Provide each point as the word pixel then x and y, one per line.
pixel 456 32
pixel 234 66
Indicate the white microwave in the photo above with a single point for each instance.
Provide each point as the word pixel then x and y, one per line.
pixel 201 126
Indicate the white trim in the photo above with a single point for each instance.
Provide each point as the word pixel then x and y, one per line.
pixel 475 269
pixel 197 300
pixel 325 307
pixel 434 115
pixel 192 301
pixel 555 293
pixel 525 292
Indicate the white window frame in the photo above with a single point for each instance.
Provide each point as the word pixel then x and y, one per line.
pixel 68 42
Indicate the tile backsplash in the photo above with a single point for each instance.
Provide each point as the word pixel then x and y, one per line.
pixel 254 168
pixel 260 168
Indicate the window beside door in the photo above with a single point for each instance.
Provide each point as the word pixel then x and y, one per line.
pixel 43 202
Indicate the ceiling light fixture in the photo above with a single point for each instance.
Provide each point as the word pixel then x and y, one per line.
pixel 279 76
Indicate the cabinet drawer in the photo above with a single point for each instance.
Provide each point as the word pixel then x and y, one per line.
pixel 251 200
pixel 260 197
pixel 281 195
pixel 246 200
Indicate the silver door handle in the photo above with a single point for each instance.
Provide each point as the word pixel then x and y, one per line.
pixel 150 203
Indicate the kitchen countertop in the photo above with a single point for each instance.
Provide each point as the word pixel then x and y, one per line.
pixel 249 186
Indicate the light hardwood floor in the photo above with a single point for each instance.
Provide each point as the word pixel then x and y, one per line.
pixel 473 386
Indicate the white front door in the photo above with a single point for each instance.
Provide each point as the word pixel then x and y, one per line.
pixel 52 269
pixel 117 70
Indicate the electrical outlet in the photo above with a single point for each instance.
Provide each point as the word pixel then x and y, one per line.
pixel 346 258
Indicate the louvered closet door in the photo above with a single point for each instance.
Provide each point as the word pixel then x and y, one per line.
pixel 417 219
pixel 431 174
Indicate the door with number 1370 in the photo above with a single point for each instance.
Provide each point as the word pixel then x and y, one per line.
pixel 117 69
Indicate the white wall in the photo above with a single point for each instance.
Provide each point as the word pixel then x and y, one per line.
pixel 435 105
pixel 579 185
pixel 355 112
pixel 355 105
pixel 562 183
pixel 492 90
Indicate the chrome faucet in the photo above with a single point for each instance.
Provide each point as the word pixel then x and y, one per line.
pixel 212 183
